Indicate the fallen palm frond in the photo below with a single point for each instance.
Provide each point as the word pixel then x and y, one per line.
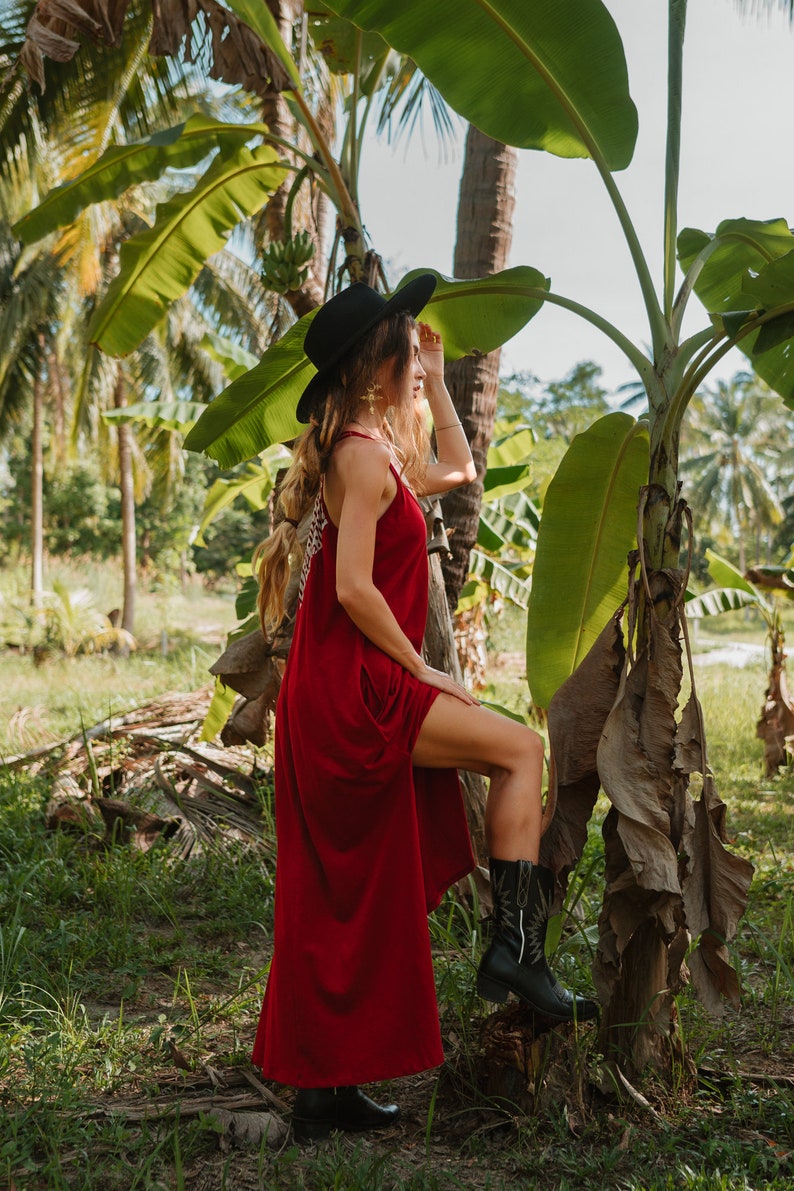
pixel 219 1096
pixel 145 776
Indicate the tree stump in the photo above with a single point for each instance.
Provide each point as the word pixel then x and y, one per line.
pixel 527 1063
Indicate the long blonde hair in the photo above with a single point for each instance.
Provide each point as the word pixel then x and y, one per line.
pixel 274 557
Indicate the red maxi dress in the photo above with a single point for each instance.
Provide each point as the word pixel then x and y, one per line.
pixel 367 843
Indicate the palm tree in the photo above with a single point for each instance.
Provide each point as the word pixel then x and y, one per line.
pixel 736 428
pixel 46 139
pixel 377 71
pixel 31 296
pixel 484 235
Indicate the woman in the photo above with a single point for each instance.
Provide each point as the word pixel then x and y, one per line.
pixel 370 822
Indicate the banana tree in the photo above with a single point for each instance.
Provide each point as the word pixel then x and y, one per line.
pixel 540 76
pixel 734 590
pixel 500 561
pixel 158 265
pixel 670 881
pixel 258 409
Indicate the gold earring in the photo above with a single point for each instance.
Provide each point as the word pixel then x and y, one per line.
pixel 371 395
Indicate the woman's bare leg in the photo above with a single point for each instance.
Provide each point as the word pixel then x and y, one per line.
pixel 465 736
pixel 456 735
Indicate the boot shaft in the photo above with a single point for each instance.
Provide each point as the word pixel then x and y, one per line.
pixel 522 894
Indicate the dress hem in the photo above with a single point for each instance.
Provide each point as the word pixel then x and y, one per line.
pixel 348 1078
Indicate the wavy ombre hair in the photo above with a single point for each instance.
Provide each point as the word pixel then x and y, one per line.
pixel 389 341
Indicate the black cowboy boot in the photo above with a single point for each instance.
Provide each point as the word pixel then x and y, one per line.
pixel 516 959
pixel 318 1111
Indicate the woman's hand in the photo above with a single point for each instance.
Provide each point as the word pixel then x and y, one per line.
pixel 431 351
pixel 443 682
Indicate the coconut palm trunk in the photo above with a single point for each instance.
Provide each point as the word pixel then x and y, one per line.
pixel 484 236
pixel 37 488
pixel 485 225
pixel 127 487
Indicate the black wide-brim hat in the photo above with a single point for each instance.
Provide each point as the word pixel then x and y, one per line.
pixel 345 319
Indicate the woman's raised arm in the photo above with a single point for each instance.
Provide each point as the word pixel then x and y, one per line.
pixel 454 465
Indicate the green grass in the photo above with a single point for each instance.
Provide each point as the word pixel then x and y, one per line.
pixel 116 965
pixel 107 958
pixel 179 634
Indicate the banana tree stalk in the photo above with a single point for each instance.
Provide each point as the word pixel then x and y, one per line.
pixel 349 218
pixel 675 59
pixel 634 355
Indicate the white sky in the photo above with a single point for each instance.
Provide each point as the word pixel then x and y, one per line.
pixel 737 160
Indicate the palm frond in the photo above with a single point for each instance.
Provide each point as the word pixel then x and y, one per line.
pixel 405 99
pixel 236 302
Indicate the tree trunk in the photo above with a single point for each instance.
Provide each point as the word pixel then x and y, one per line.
pixel 439 648
pixel 638 1026
pixel 127 487
pixel 485 232
pixel 670 880
pixel 485 214
pixel 37 491
pixel 58 410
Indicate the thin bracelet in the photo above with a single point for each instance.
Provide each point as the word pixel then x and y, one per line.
pixel 449 427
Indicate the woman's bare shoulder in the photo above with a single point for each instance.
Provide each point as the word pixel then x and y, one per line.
pixel 359 471
pixel 354 450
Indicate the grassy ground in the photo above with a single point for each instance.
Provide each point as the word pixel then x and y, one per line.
pixel 133 979
pixel 179 634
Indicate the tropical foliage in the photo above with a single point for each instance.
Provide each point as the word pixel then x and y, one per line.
pixel 764 589
pixel 743 272
pixel 551 78
pixel 735 460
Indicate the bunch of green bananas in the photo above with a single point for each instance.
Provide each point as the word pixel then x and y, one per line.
pixel 284 263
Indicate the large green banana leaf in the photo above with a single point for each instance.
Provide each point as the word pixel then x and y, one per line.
pixel 501 481
pixel 588 527
pixel 498 529
pixel 219 710
pixel 539 74
pixel 234 359
pixel 340 43
pixel 510 448
pixel 122 166
pixel 716 601
pixel 733 591
pixel 259 408
pixel 770 347
pixel 254 484
pixel 478 315
pixel 509 584
pixel 522 511
pixel 159 415
pixel 725 574
pixel 160 264
pixel 737 246
pixel 747 271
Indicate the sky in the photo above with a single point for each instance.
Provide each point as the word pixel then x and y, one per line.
pixel 737 160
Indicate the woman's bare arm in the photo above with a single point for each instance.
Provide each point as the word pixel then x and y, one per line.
pixel 454 465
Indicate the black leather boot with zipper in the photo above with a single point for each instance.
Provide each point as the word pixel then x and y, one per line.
pixel 516 959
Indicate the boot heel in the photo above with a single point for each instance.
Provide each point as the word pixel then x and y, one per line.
pixel 489 990
pixel 311 1130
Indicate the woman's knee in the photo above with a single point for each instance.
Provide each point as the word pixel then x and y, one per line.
pixel 527 749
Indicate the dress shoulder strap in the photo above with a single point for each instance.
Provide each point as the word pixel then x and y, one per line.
pixel 355 434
